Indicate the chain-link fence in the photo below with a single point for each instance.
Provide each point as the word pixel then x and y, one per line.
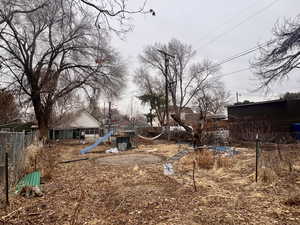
pixel 14 143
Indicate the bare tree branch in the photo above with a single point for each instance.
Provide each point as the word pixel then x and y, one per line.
pixel 281 56
pixel 54 52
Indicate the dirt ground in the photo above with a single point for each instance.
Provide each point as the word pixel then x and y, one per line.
pixel 130 188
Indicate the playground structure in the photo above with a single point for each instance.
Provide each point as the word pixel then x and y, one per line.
pixel 123 141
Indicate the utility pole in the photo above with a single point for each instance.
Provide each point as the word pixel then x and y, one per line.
pixel 131 113
pixel 109 115
pixel 131 107
pixel 237 97
pixel 104 109
pixel 166 56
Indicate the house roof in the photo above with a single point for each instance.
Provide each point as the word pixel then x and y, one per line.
pixel 196 116
pixel 257 103
pixel 18 126
pixel 183 110
pixel 80 119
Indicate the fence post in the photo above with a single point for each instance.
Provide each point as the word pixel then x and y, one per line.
pixel 6 177
pixel 256 157
pixel 23 144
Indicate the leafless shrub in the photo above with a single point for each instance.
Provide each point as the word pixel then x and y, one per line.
pixel 46 161
pixel 246 129
pixel 281 162
pixel 293 199
pixel 75 216
pixel 205 159
pixel 223 162
pixel 31 159
pixel 267 175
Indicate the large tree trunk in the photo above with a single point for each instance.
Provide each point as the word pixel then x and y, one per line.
pixel 42 115
pixel 43 129
pixel 160 118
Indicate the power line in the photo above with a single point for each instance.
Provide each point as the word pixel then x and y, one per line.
pixel 239 55
pixel 227 21
pixel 241 23
pixel 232 73
pixel 245 52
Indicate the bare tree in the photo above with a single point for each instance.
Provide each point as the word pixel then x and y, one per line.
pixel 113 14
pixel 290 95
pixel 10 8
pixel 53 51
pixel 210 100
pixel 185 77
pixel 151 90
pixel 8 107
pixel 64 107
pixel 282 54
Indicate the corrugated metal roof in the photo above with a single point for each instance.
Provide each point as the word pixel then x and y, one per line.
pixel 30 180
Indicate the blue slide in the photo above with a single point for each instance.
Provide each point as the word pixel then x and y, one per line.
pixel 101 139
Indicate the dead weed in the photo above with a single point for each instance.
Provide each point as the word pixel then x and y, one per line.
pixel 267 175
pixel 205 159
pixel 46 161
pixel 293 199
pixel 224 162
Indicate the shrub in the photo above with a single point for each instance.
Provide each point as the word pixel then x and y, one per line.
pixel 293 199
pixel 205 159
pixel 47 160
pixel 267 175
pixel 224 162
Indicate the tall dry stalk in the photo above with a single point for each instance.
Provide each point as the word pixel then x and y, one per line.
pixel 75 216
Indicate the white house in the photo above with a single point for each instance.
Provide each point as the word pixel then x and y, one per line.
pixel 71 127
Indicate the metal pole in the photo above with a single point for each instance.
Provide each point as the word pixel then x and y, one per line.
pixel 194 167
pixel 109 116
pixel 104 109
pixel 167 96
pixel 256 158
pixel 24 138
pixel 6 178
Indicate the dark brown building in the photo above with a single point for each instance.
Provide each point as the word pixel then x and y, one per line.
pixel 270 117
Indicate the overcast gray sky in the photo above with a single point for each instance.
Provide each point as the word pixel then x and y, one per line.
pixel 217 29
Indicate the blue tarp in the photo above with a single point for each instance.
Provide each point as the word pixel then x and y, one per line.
pixel 100 140
pixel 296 130
pixel 225 149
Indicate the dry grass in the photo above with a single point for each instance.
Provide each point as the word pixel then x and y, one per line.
pixel 267 175
pixel 293 199
pixel 75 216
pixel 131 194
pixel 205 159
pixel 224 162
pixel 279 158
pixel 46 161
